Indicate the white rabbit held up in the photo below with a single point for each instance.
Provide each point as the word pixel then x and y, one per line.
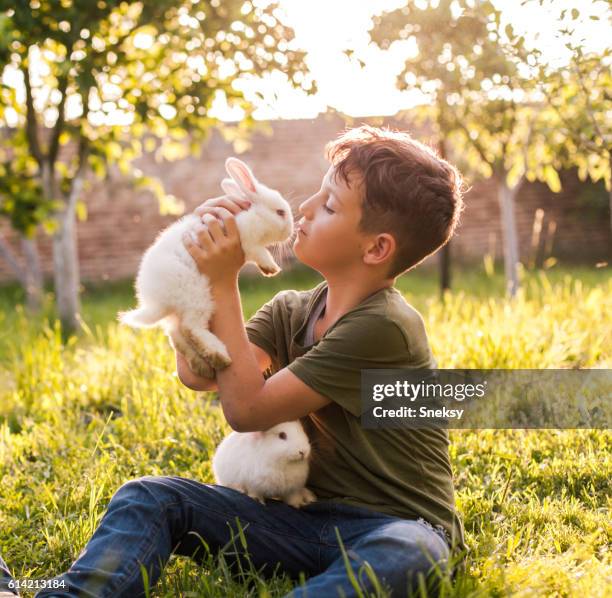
pixel 270 464
pixel 173 294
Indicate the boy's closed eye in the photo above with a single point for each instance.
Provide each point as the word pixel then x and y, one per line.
pixel 328 209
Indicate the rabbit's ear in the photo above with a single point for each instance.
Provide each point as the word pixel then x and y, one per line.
pixel 232 189
pixel 241 174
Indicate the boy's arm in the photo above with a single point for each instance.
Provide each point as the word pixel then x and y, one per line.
pixel 249 402
pixel 195 382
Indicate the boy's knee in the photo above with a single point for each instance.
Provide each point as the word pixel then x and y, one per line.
pixel 422 562
pixel 402 554
pixel 417 556
pixel 423 556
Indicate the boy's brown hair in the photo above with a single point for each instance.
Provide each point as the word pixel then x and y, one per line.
pixel 407 190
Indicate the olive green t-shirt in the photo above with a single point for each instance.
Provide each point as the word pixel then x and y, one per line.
pixel 401 472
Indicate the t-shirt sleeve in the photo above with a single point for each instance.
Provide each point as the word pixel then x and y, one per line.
pixel 260 328
pixel 333 366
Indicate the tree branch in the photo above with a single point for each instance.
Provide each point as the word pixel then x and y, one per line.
pixel 513 119
pixel 570 130
pixel 59 123
pixel 526 146
pixel 589 110
pixel 474 142
pixel 77 181
pixel 31 121
pixel 82 153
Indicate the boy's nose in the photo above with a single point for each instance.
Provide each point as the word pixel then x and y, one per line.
pixel 304 208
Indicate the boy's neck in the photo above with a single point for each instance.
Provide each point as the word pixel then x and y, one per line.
pixel 344 294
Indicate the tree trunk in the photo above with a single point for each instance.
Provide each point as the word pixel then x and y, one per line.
pixel 445 268
pixel 66 270
pixel 608 184
pixel 11 259
pixel 506 197
pixel 33 279
pixel 610 195
pixel 65 260
pixel 445 252
pixel 30 277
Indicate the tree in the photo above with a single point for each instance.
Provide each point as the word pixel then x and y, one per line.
pixel 481 98
pixel 23 204
pixel 450 37
pixel 579 95
pixel 109 78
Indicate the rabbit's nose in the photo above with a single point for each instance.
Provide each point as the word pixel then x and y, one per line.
pixel 302 454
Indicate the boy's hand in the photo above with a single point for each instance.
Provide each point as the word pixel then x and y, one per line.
pixel 231 204
pixel 217 250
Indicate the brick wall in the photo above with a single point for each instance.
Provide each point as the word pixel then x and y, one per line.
pixel 122 222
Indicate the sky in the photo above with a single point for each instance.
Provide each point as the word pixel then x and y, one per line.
pixel 325 27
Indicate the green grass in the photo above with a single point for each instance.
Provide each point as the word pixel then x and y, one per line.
pixel 80 417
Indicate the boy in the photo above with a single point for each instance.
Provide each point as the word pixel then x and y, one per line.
pixel 385 204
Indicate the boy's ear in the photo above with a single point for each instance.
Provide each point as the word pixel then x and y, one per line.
pixel 241 174
pixel 380 249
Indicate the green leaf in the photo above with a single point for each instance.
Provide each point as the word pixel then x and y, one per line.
pixel 98 166
pixel 81 210
pixel 551 178
pixel 515 173
pixel 170 205
pixel 173 150
pixel 150 144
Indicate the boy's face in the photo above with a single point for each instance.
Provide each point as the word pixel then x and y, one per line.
pixel 328 238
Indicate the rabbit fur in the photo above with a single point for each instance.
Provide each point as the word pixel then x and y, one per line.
pixel 266 465
pixel 173 294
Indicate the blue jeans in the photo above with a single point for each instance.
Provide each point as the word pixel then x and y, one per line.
pixel 5 576
pixel 150 518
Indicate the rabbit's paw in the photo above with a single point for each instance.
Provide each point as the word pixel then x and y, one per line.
pixel 300 498
pixel 264 260
pixel 219 361
pixel 208 347
pixel 259 499
pixel 267 271
pixel 200 367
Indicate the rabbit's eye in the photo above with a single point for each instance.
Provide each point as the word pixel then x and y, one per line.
pixel 281 213
pixel 283 435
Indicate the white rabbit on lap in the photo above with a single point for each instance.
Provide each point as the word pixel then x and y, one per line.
pixel 270 464
pixel 171 291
